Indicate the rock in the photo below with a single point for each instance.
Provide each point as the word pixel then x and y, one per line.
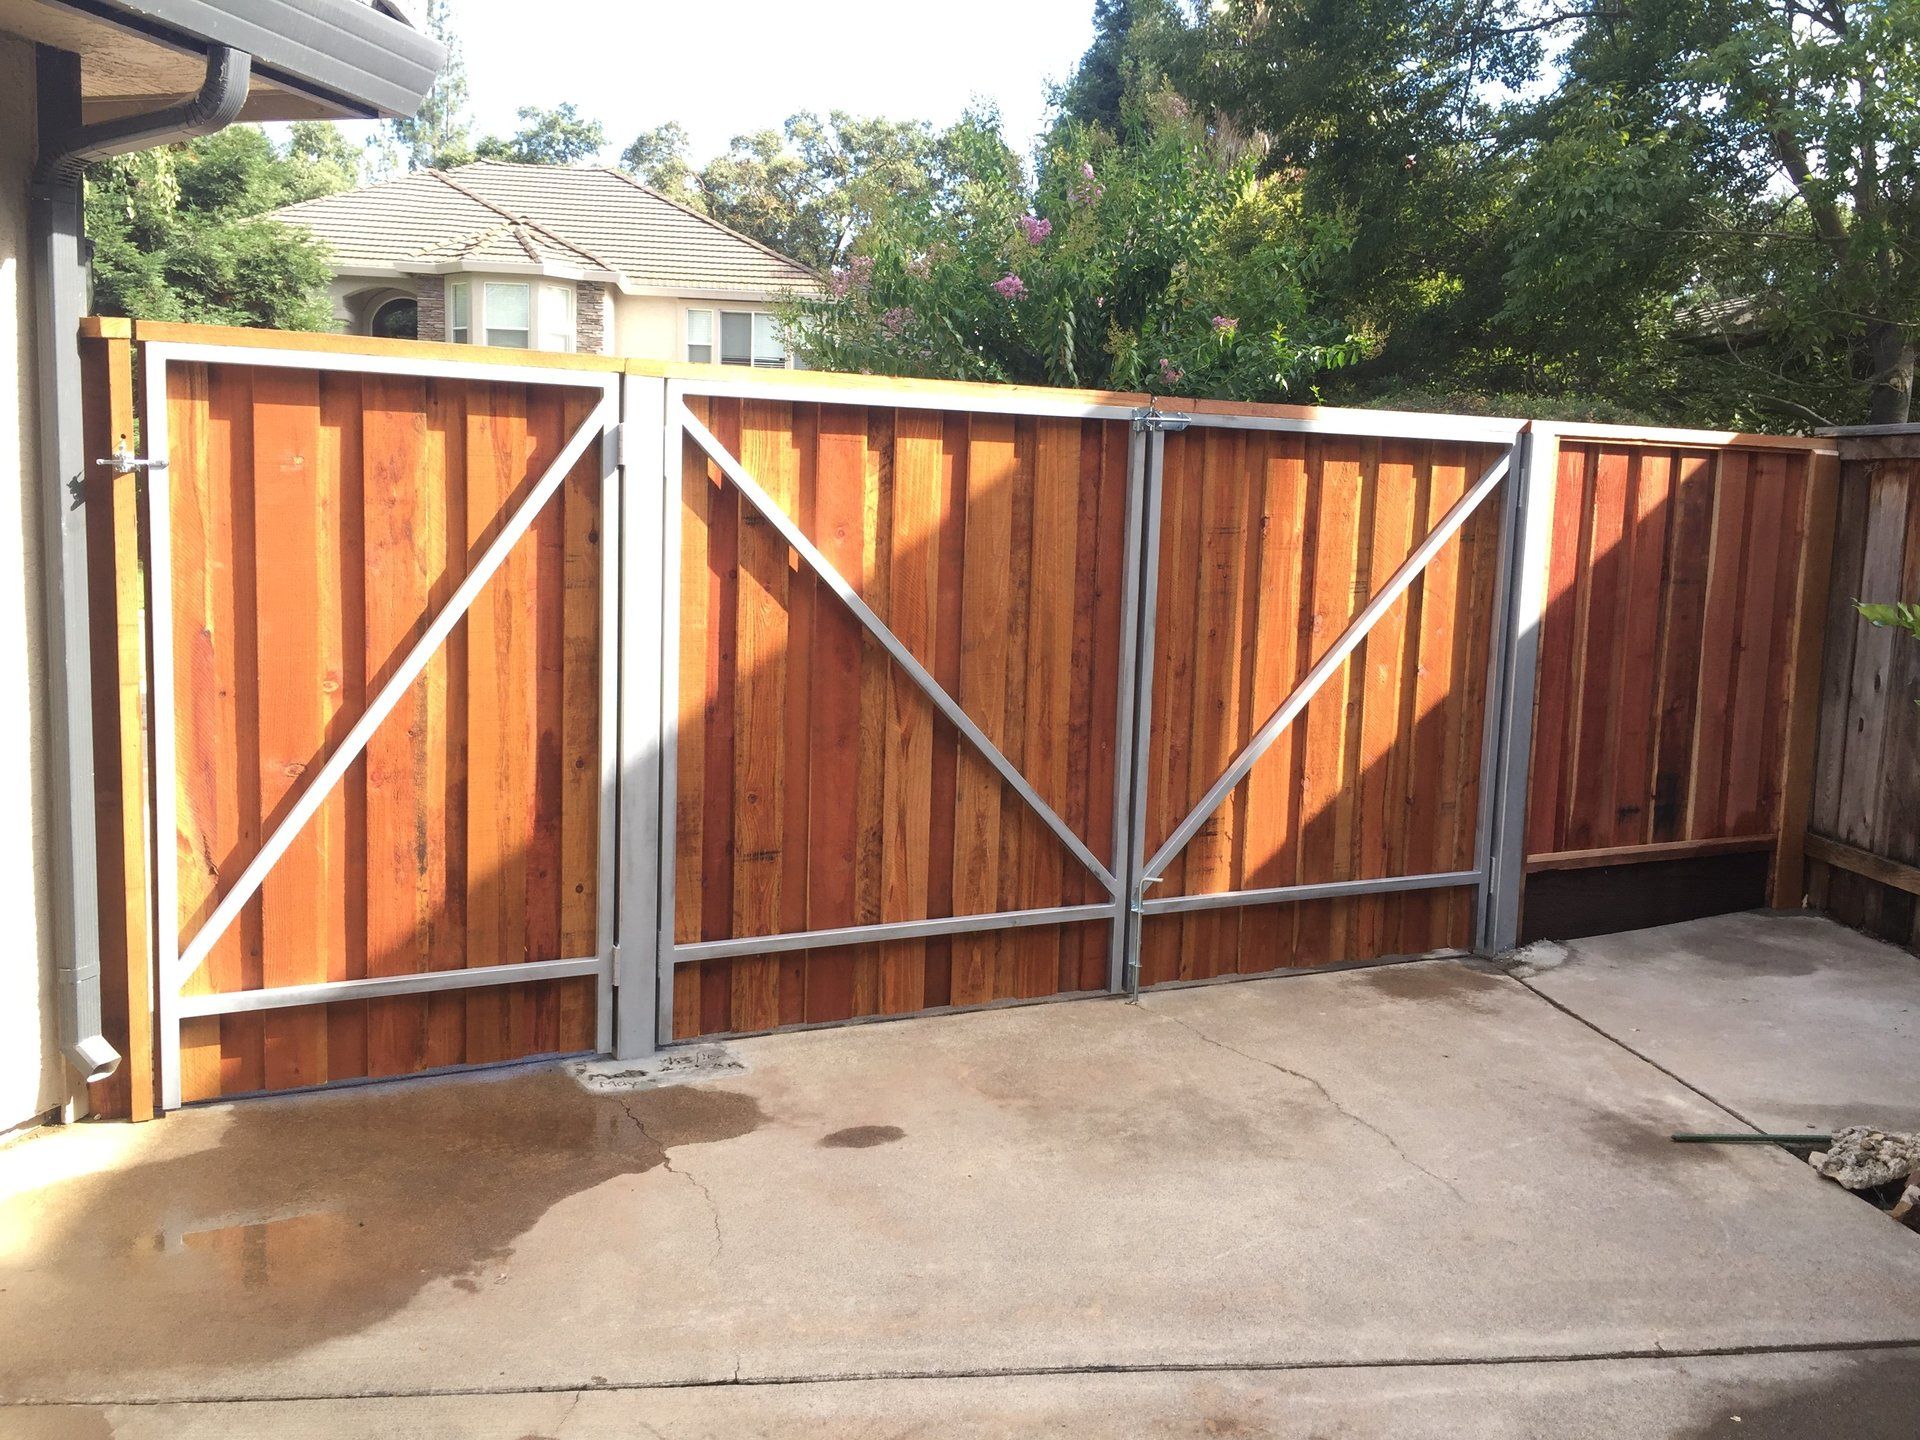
pixel 1863 1158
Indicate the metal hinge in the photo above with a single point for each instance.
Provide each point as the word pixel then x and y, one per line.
pixel 615 958
pixel 124 461
pixel 1153 418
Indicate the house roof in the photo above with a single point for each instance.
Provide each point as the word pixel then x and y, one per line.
pixel 589 220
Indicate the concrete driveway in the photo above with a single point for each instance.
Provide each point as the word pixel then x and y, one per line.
pixel 1409 1200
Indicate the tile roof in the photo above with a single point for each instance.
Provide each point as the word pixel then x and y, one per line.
pixel 587 217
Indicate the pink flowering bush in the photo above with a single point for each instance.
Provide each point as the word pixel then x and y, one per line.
pixel 1158 266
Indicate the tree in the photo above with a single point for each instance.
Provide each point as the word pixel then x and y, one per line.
pixel 1747 166
pixel 437 134
pixel 659 158
pixel 178 232
pixel 560 136
pixel 1163 267
pixel 1136 43
pixel 808 189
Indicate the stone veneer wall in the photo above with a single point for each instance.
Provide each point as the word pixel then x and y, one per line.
pixel 590 317
pixel 430 295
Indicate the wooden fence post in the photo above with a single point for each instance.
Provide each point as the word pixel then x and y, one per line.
pixel 1803 712
pixel 117 599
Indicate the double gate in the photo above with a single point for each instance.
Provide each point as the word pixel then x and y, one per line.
pixel 501 709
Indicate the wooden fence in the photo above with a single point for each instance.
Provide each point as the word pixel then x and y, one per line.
pixel 1679 659
pixel 1866 791
pixel 1269 545
pixel 817 787
pixel 319 517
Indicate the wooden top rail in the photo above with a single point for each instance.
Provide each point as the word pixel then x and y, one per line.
pixel 827 382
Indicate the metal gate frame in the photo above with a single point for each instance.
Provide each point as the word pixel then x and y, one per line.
pixel 1496 760
pixel 175 963
pixel 649 954
pixel 650 762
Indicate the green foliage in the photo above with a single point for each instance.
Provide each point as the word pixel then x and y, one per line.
pixel 177 233
pixel 808 189
pixel 1724 194
pixel 1163 266
pixel 437 135
pixel 559 136
pixel 1900 615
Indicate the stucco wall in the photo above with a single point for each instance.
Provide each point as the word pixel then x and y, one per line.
pixel 32 1077
pixel 647 327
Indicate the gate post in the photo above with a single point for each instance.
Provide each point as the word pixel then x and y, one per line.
pixel 1517 633
pixel 642 614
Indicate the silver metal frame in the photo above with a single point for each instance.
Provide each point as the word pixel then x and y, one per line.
pixel 176 963
pixel 1510 746
pixel 1146 871
pixel 680 422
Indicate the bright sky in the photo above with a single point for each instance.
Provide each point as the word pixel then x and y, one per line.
pixel 722 67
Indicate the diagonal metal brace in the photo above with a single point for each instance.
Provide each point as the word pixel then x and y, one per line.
pixel 349 749
pixel 901 655
pixel 1323 670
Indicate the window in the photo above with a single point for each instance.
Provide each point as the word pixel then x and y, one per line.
pixel 396 319
pixel 460 304
pixel 768 350
pixel 747 337
pixel 556 317
pixel 509 315
pixel 700 336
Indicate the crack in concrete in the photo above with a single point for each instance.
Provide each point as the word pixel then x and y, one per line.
pixel 1004 1372
pixel 1325 1094
pixel 666 1163
pixel 567 1415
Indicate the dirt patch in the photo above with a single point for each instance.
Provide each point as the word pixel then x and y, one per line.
pixel 862 1137
pixel 318 1216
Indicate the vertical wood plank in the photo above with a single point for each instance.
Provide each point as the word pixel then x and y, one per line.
pixel 1630 809
pixel 983 678
pixel 1210 939
pixel 1719 636
pixel 834 752
pixel 1684 613
pixel 1754 665
pixel 1561 635
pixel 760 710
pixel 1804 682
pixel 1170 790
pixel 907 782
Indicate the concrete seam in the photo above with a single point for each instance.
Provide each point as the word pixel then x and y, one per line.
pixel 1010 1372
pixel 1641 1056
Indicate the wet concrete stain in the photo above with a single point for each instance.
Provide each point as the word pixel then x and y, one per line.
pixel 862 1137
pixel 1442 981
pixel 318 1216
pixel 1641 1141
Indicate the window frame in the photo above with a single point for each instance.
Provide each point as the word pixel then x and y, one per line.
pixel 755 320
pixel 487 327
pixel 460 296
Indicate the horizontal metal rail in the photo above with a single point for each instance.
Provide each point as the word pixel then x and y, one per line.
pixel 1321 890
pixel 1368 424
pixel 422 982
pixel 891 643
pixel 1324 668
pixel 686 954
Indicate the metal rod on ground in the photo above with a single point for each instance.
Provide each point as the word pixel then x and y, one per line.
pixel 1686 1138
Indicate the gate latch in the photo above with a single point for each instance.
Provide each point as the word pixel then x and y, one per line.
pixel 123 461
pixel 1153 418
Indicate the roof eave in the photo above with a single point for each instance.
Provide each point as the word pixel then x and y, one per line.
pixel 354 57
